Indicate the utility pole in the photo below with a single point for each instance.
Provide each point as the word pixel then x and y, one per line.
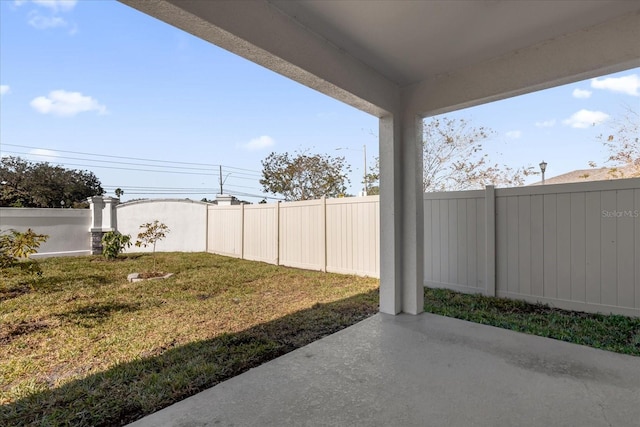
pixel 221 180
pixel 364 181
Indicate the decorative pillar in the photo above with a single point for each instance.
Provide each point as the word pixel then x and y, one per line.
pixel 103 220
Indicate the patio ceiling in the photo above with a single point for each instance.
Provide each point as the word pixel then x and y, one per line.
pixel 360 52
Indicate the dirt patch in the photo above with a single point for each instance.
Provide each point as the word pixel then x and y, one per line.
pixel 10 332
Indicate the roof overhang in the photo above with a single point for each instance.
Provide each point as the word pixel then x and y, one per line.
pixel 428 57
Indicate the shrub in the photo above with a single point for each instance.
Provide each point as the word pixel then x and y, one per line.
pixel 113 243
pixel 16 246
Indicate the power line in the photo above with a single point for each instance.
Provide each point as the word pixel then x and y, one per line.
pixel 235 175
pixel 208 165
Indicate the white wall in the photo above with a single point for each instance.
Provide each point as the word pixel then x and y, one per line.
pixel 186 219
pixel 68 229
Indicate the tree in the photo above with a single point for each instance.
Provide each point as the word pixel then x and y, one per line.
pixel 152 233
pixel 373 178
pixel 119 192
pixel 42 185
pixel 453 159
pixel 623 145
pixel 304 176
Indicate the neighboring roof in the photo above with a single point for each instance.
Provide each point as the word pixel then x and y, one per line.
pixel 600 174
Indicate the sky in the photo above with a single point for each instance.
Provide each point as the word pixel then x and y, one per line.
pixel 98 86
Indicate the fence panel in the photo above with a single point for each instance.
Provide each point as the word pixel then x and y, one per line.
pixel 455 240
pixel 261 233
pixel 224 230
pixel 573 246
pixel 353 243
pixel 302 234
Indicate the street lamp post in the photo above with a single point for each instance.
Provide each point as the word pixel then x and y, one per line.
pixel 364 171
pixel 543 167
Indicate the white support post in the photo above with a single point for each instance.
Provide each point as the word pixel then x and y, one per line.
pixel 401 215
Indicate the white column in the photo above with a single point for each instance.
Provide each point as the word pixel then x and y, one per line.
pixel 401 215
pixel 103 219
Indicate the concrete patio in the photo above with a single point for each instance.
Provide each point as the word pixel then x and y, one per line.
pixel 423 370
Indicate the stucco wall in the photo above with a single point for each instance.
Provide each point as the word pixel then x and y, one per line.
pixel 186 219
pixel 68 229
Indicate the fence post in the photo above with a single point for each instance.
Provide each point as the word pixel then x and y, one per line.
pixel 324 234
pixel 241 230
pixel 278 232
pixel 490 240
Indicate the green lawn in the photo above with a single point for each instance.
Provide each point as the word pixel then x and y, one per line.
pixel 83 346
pixel 608 332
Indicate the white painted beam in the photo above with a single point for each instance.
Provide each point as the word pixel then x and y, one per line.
pixel 259 32
pixel 607 48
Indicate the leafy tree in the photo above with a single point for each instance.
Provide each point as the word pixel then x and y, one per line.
pixel 373 178
pixel 42 185
pixel 454 160
pixel 119 192
pixel 623 145
pixel 152 233
pixel 304 176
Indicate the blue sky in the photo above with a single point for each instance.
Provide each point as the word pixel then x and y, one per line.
pixel 97 77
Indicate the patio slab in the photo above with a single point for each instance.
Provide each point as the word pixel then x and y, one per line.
pixel 424 370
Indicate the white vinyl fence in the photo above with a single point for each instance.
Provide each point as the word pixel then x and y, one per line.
pixel 335 235
pixel 574 246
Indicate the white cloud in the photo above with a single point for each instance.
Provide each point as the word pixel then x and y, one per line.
pixel 41 22
pixel 66 104
pixel 514 134
pixel 546 123
pixel 585 118
pixel 4 89
pixel 629 85
pixel 42 19
pixel 42 155
pixel 54 5
pixel 581 93
pixel 259 143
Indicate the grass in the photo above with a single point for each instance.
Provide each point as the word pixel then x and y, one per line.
pixel 620 334
pixel 80 345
